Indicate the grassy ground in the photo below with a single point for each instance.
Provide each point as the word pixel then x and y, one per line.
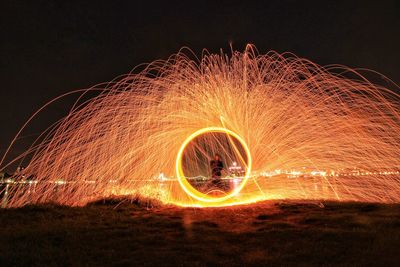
pixel 269 233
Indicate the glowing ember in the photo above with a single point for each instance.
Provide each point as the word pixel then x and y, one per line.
pixel 294 129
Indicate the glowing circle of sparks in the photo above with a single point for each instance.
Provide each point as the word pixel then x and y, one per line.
pixel 188 188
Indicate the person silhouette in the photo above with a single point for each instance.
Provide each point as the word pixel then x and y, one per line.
pixel 216 166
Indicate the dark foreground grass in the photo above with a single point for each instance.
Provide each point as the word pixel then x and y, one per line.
pixel 269 233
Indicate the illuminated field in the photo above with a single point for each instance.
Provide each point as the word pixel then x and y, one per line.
pixel 296 130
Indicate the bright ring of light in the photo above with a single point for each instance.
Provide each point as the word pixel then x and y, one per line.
pixel 188 188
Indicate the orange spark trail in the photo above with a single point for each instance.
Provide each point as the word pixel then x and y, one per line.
pixel 308 131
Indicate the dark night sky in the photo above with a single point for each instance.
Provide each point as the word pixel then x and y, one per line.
pixel 52 47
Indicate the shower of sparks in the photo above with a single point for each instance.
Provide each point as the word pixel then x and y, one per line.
pixel 312 133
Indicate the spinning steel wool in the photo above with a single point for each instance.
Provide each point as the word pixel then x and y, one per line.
pixel 293 129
